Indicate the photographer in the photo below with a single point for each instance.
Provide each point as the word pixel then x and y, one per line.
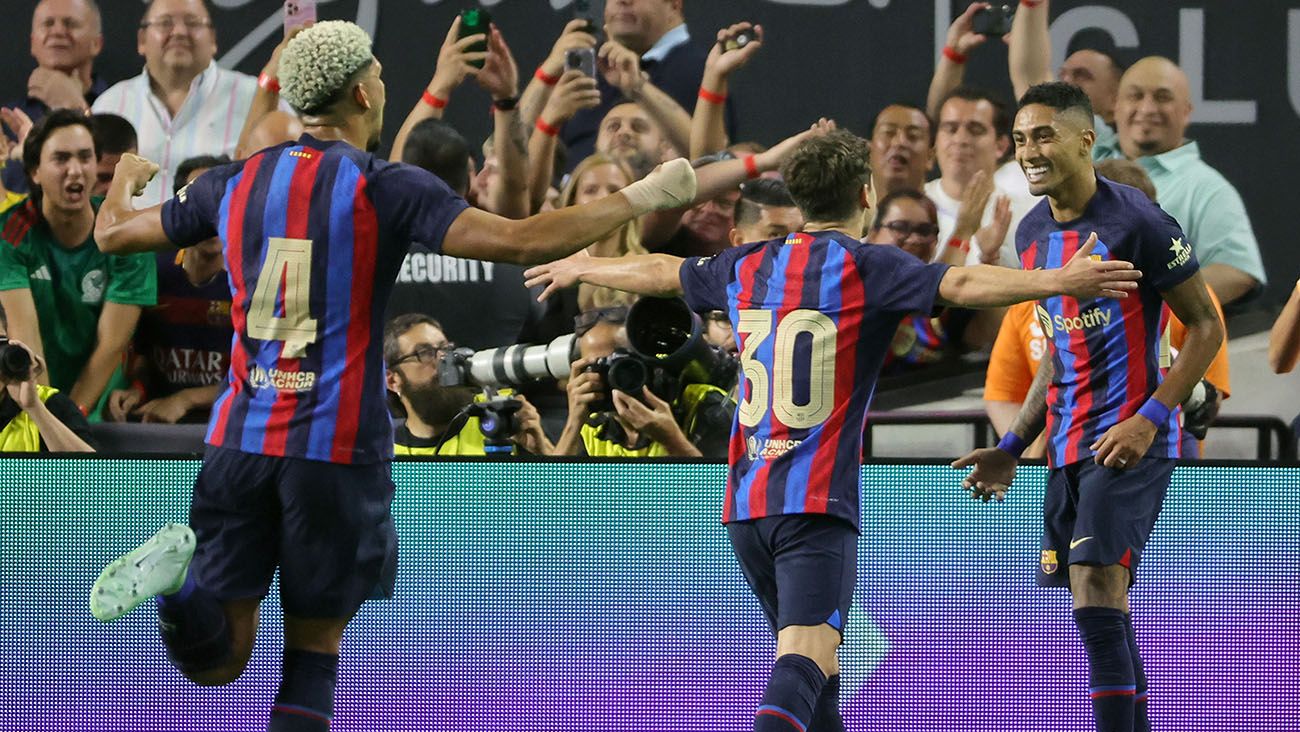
pixel 695 424
pixel 437 418
pixel 35 418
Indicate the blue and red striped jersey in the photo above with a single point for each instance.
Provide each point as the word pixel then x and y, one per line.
pixel 314 233
pixel 814 316
pixel 1106 352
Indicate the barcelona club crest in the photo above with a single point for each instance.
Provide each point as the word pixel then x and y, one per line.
pixel 1048 561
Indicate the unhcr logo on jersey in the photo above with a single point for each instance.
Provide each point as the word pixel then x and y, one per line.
pixel 769 448
pixel 261 378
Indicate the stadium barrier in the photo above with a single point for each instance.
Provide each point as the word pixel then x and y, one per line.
pixel 557 595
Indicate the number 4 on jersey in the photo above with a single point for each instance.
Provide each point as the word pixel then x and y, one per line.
pixel 778 387
pixel 287 269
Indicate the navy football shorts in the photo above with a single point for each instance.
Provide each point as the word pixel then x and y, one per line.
pixel 801 566
pixel 1102 516
pixel 327 527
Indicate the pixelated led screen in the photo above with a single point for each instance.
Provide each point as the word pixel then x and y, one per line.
pixel 559 596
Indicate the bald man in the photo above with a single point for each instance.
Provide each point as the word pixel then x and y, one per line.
pixel 1098 75
pixel 1152 111
pixel 1152 114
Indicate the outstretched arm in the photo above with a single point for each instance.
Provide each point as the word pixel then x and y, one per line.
pixel 985 286
pixel 644 274
pixel 552 235
pixel 119 227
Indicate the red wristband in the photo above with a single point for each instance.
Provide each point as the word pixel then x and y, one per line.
pixel 269 83
pixel 1031 3
pixel 751 167
pixel 428 98
pixel 712 97
pixel 546 78
pixel 952 55
pixel 961 244
pixel 546 129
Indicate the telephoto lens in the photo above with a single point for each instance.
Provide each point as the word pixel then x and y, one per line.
pixel 15 362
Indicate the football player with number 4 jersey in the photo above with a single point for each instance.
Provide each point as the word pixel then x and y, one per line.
pixel 814 315
pixel 1111 419
pixel 297 471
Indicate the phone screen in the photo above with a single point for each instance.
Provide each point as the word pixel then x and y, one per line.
pixel 473 22
pixel 298 14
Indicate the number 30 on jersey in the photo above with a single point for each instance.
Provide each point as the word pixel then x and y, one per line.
pixel 775 391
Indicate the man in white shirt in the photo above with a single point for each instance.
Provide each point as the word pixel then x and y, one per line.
pixel 182 104
pixel 973 134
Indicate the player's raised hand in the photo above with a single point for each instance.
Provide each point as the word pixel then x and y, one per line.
pixel 1086 278
pixel 1123 445
pixel 994 469
pixel 557 275
pixel 136 171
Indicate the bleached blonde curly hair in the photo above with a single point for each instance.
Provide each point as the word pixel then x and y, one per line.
pixel 317 63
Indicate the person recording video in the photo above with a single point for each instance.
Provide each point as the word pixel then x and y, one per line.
pixel 662 419
pixel 34 418
pixel 441 420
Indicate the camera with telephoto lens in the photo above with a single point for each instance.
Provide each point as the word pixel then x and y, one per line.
pixel 666 352
pixel 508 365
pixel 15 362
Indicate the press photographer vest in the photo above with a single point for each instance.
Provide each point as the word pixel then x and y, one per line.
pixel 18 433
pixel 602 436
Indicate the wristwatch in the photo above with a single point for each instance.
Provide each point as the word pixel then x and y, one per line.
pixel 506 105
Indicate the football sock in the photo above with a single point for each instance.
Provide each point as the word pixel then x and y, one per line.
pixel 1110 667
pixel 193 627
pixel 1141 722
pixel 792 691
pixel 826 717
pixel 305 702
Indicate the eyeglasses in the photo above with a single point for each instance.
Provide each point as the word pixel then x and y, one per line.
pixel 167 24
pixel 426 354
pixel 904 228
pixel 587 320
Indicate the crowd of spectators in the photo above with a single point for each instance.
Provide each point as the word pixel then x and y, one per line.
pixel 146 339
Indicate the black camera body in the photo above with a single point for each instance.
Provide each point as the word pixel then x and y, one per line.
pixel 994 20
pixel 497 422
pixel 667 351
pixel 15 362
